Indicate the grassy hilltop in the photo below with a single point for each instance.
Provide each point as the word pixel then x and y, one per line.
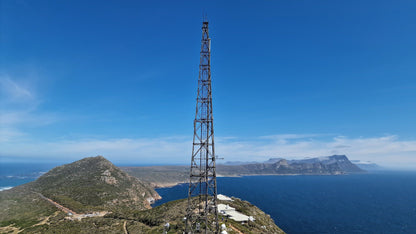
pixel 94 196
pixel 93 184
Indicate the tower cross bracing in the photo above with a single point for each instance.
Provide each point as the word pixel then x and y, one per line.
pixel 202 211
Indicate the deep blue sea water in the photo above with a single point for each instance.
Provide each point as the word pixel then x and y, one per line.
pixel 382 202
pixel 13 174
pixel 368 203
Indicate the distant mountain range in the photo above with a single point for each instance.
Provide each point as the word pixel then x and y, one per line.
pixel 329 165
pixel 166 176
pixel 364 165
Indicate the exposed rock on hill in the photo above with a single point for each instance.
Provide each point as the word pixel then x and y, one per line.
pixel 94 183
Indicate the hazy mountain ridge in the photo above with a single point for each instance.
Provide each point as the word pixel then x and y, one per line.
pixel 367 165
pixel 330 165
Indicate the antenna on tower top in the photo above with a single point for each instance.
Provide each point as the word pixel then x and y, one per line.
pixel 204 17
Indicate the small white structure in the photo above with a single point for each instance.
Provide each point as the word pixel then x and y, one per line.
pixel 222 208
pixel 223 198
pixel 233 214
pixel 223 227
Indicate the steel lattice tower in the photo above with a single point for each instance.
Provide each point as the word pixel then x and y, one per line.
pixel 202 212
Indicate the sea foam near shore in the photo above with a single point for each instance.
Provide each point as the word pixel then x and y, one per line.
pixel 5 188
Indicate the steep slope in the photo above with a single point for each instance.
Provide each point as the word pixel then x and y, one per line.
pixel 89 185
pixel 94 183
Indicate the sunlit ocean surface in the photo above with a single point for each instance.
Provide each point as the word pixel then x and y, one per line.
pixel 369 203
pixel 13 174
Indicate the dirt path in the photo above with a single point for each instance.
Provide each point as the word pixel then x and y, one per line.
pixel 46 219
pixel 235 229
pixel 125 227
pixel 59 206
pixel 72 214
pixel 10 229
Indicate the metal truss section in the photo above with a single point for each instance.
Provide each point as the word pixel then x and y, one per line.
pixel 202 212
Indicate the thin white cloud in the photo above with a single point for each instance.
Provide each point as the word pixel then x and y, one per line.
pixel 385 150
pixel 135 151
pixel 19 104
pixel 289 136
pixel 19 109
pixel 11 91
pixel 26 117
pixel 8 134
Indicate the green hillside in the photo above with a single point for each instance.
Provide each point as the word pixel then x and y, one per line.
pixel 93 184
pixel 94 196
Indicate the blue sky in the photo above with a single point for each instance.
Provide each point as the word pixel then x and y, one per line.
pixel 290 79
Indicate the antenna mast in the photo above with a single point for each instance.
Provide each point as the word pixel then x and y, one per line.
pixel 202 211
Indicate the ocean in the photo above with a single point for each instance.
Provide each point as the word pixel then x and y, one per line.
pixel 13 174
pixel 367 203
pixel 383 202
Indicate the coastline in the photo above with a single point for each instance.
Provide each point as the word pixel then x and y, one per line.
pixel 172 184
pixel 5 188
pixel 166 185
